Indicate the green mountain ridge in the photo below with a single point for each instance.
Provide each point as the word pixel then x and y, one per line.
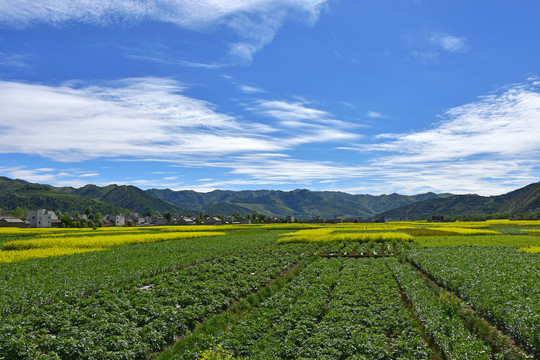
pixel 129 197
pixel 301 203
pixel 523 200
pixel 19 193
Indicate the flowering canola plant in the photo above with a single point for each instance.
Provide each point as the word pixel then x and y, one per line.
pixel 21 255
pixel 18 250
pixel 531 249
pixel 331 234
pixel 468 231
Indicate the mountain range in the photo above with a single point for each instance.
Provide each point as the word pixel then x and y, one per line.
pixel 300 203
pixel 523 200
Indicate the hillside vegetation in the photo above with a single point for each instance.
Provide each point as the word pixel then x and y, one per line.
pixel 301 203
pixel 523 200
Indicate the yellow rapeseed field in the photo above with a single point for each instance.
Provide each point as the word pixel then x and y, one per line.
pixel 467 231
pixel 332 234
pixel 103 241
pixel 64 245
pixel 531 249
pixel 20 255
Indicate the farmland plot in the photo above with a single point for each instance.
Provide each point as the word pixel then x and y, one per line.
pixel 337 308
pixel 131 321
pixel 349 297
pixel 502 283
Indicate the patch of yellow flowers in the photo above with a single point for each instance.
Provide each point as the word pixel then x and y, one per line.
pixel 531 249
pixel 18 250
pixel 331 234
pixel 467 231
pixel 215 353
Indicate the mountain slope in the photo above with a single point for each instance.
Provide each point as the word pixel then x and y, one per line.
pixel 129 197
pixel 526 199
pixel 19 193
pixel 301 203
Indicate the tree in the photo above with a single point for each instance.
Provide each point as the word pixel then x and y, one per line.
pixel 168 216
pixel 66 221
pixel 19 213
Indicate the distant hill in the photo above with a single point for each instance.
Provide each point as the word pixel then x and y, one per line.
pixel 299 203
pixel 526 199
pixel 128 197
pixel 14 193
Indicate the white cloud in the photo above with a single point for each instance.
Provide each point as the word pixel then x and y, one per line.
pixel 310 124
pixel 487 147
pixel 55 177
pixel 449 43
pixel 287 111
pixel 503 125
pixel 134 117
pixel 256 22
pixel 250 89
pixel 374 115
pixel 293 170
pixel 145 118
pixel 20 61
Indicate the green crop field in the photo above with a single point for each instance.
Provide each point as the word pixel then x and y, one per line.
pixel 401 290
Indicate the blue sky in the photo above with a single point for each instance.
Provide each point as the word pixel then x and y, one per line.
pixel 361 96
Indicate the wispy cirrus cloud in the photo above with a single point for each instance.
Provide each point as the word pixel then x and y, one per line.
pixel 57 177
pixel 255 22
pixel 143 118
pixel 374 115
pixel 449 43
pixel 488 147
pixel 147 117
pixel 504 125
pixel 310 124
pixel 431 48
pixel 20 61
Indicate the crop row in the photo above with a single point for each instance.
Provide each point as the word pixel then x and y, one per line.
pixel 501 283
pixel 44 281
pixel 337 308
pixel 133 320
pixel 360 249
pixel 439 314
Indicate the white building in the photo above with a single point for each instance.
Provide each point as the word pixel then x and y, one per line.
pixel 41 218
pixel 117 220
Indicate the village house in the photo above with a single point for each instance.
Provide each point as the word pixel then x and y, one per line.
pixel 117 220
pixel 213 221
pixel 158 220
pixel 13 222
pixel 41 218
pixel 186 221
